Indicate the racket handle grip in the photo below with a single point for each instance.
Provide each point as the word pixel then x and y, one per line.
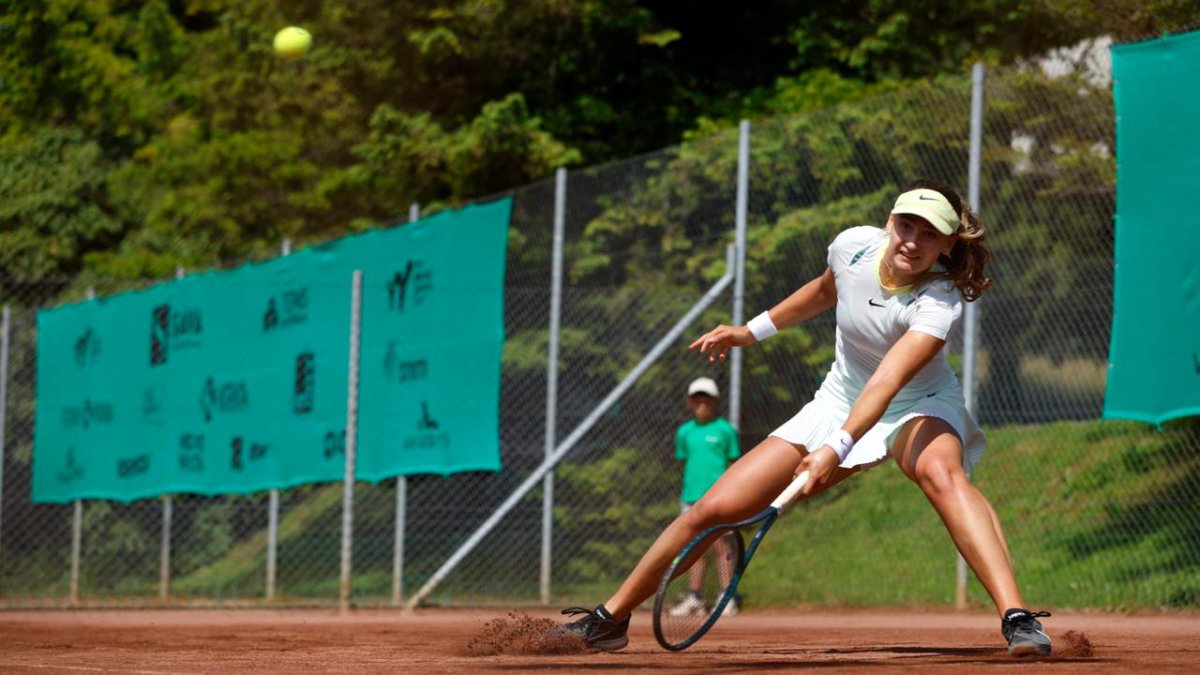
pixel 790 492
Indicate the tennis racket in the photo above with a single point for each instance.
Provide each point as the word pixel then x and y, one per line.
pixel 690 600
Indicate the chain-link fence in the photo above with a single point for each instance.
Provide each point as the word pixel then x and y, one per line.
pixel 1099 514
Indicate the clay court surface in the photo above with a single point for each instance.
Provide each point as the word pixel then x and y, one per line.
pixel 443 641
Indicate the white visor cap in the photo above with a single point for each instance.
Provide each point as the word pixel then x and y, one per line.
pixel 930 205
pixel 704 385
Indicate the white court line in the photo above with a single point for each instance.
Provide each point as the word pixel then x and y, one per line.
pixel 16 664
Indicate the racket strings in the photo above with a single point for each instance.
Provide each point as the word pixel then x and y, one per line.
pixel 696 593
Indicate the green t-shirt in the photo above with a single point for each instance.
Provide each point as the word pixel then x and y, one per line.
pixel 706 450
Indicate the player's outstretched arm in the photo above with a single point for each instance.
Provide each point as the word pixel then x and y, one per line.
pixel 808 301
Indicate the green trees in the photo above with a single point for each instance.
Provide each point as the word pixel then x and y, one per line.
pixel 203 146
pixel 56 208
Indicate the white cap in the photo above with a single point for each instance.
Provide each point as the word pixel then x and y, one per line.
pixel 930 205
pixel 704 385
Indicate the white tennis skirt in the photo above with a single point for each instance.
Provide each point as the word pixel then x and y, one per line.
pixel 813 424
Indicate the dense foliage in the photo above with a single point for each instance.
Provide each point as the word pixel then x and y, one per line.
pixel 139 136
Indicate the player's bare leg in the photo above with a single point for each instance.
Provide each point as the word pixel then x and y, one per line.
pixel 930 453
pixel 746 488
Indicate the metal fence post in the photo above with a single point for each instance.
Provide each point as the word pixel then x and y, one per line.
pixel 76 549
pixel 164 561
pixel 739 280
pixel 560 211
pixel 351 443
pixel 272 540
pixel 168 513
pixel 77 527
pixel 414 214
pixel 970 315
pixel 285 249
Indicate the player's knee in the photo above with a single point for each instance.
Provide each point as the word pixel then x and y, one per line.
pixel 706 513
pixel 939 477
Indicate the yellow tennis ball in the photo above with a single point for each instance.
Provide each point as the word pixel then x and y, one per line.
pixel 292 42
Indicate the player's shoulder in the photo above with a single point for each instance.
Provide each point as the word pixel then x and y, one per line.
pixel 852 243
pixel 939 290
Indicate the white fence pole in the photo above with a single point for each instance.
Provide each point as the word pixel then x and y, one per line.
pixel 164 558
pixel 414 214
pixel 168 513
pixel 76 548
pixel 556 270
pixel 285 249
pixel 77 528
pixel 272 541
pixel 970 315
pixel 398 541
pixel 351 443
pixel 739 282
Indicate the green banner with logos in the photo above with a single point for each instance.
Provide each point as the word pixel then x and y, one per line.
pixel 1154 354
pixel 237 381
pixel 430 364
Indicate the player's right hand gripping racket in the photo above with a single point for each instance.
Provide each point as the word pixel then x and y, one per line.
pixel 693 594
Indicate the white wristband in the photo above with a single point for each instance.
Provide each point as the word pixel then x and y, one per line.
pixel 841 442
pixel 761 327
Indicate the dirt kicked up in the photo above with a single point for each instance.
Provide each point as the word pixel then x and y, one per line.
pixel 519 633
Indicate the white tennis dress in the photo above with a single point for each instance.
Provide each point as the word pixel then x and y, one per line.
pixel 870 319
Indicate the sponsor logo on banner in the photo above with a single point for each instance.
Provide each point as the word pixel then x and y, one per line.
pixel 242 451
pixel 410 286
pixel 334 443
pixel 428 436
pixel 87 349
pixel 304 383
pixel 271 316
pixel 426 423
pixel 128 467
pixel 153 401
pixel 289 308
pixel 191 452
pixel 160 339
pixel 403 370
pixel 87 414
pixel 70 472
pixel 231 396
pixel 173 329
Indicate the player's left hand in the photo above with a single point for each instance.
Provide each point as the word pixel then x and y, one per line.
pixel 820 465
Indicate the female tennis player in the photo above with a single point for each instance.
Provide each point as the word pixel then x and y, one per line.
pixel 897 291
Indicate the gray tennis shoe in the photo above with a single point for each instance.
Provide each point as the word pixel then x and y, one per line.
pixel 598 629
pixel 1024 632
